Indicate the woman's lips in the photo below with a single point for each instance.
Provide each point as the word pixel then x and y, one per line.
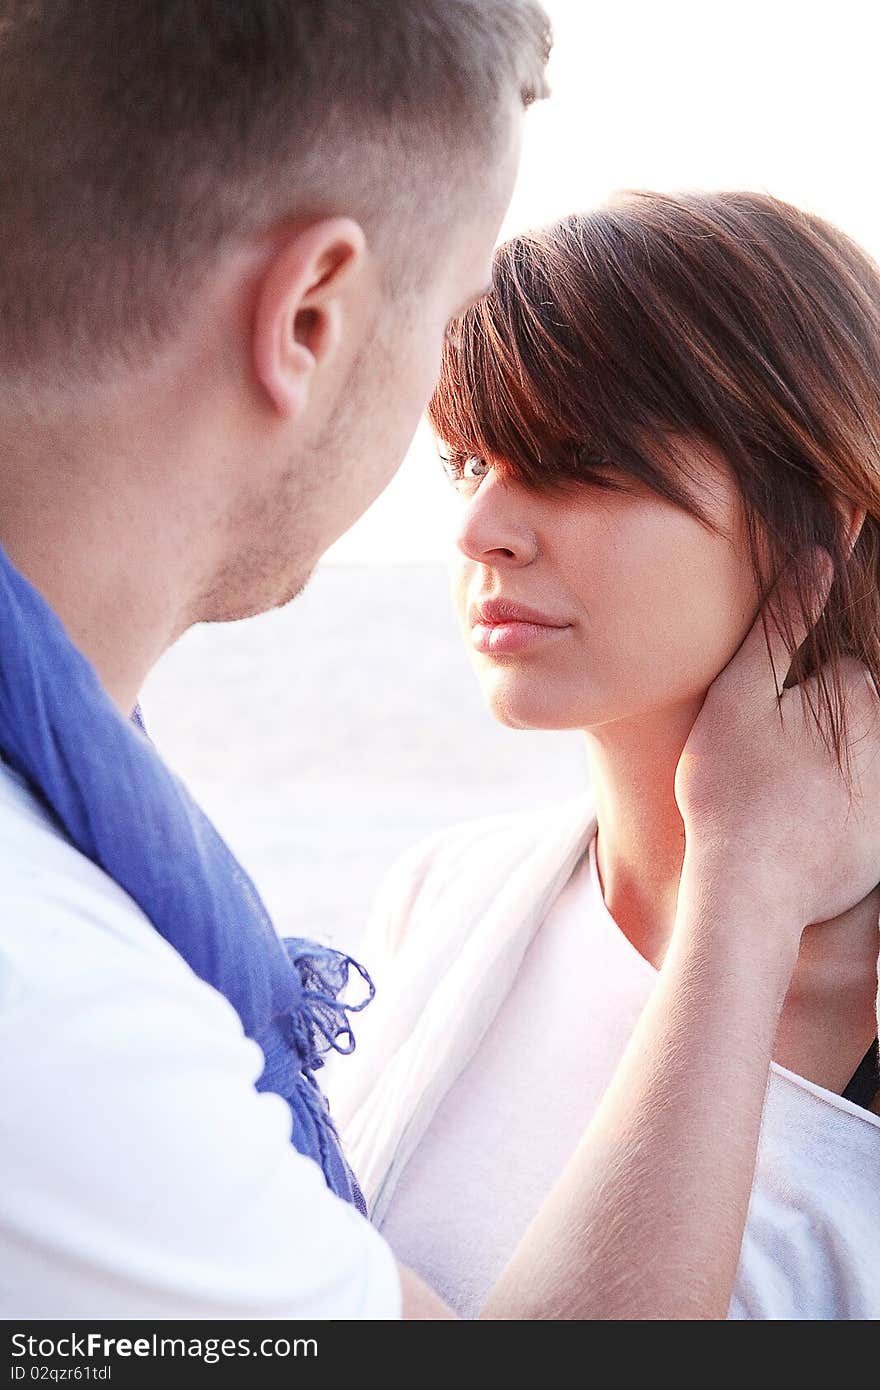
pixel 499 626
pixel 499 639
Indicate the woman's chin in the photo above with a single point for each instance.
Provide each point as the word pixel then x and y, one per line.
pixel 531 705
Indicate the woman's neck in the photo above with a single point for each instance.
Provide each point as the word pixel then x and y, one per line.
pixel 641 841
pixel 830 1014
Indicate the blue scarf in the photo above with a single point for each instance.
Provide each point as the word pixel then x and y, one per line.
pixel 102 780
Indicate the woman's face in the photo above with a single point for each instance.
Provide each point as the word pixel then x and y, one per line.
pixel 642 605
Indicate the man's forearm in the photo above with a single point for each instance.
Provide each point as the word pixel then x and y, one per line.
pixel 646 1220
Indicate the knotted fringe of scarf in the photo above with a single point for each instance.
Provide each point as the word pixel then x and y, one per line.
pixel 103 782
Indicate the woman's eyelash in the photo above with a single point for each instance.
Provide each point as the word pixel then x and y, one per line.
pixel 462 467
pixel 466 470
pixel 449 462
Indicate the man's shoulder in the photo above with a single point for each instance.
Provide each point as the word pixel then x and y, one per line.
pixel 177 1191
pixel 63 920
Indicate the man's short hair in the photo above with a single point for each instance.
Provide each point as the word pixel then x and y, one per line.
pixel 138 141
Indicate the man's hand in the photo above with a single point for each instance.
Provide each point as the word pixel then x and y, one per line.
pixel 758 788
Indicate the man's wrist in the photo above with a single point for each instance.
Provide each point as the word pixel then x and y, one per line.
pixel 743 916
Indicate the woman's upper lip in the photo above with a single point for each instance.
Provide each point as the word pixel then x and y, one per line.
pixel 494 611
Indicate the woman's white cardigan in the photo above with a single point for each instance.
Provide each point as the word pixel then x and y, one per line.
pixel 446 939
pixel 451 926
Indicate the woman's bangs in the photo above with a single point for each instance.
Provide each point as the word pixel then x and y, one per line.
pixel 484 402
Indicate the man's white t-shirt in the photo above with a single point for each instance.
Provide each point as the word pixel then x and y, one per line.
pixel 505 1129
pixel 141 1173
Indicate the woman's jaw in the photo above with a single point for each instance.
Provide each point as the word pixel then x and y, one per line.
pixel 599 607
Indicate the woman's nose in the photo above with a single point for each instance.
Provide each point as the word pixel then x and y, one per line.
pixel 495 528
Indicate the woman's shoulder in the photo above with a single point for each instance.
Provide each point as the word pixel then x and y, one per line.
pixel 519 827
pixel 471 857
pixel 468 893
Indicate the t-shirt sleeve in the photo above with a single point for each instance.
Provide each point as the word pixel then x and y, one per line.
pixel 144 1175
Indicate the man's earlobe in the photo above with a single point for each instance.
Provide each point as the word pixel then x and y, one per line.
pixel 301 307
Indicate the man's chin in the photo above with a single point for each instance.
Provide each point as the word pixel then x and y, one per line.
pixel 233 603
pixel 294 589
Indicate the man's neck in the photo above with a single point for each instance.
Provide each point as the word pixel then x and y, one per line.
pixel 116 492
pixel 100 547
pixel 113 621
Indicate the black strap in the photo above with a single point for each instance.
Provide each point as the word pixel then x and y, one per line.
pixel 865 1082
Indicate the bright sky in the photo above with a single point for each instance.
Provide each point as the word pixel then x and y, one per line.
pixel 779 95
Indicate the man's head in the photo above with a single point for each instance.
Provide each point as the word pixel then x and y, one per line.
pixel 284 201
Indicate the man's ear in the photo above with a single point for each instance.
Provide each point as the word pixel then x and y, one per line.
pixel 302 302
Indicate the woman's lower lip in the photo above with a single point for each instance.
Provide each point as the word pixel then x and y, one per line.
pixel 499 638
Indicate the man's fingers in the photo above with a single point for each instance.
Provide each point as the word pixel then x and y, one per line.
pixel 789 619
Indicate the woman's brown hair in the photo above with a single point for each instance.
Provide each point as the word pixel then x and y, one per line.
pixel 731 319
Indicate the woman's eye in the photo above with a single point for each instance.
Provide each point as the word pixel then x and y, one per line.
pixel 464 471
pixel 474 469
